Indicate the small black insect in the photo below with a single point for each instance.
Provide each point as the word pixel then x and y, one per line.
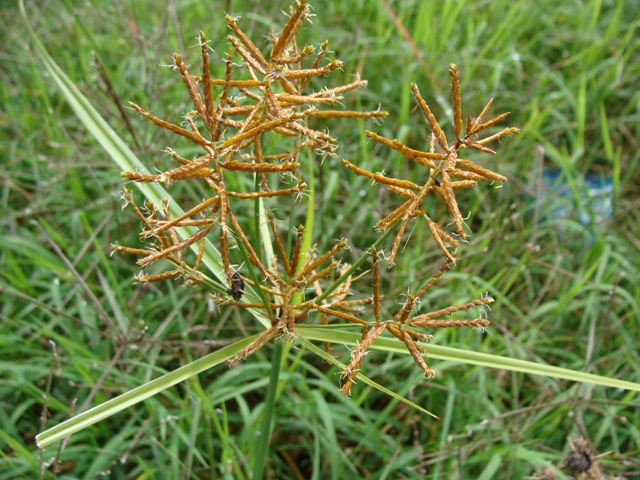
pixel 236 290
pixel 578 462
pixel 342 381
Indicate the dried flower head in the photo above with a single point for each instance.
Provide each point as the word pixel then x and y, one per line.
pixel 256 121
pixel 263 95
pixel 403 325
pixel 284 279
pixel 447 172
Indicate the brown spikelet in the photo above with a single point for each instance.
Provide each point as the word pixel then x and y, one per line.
pixel 130 201
pixel 439 236
pixel 332 92
pixel 443 268
pixel 195 169
pixel 170 275
pixel 431 120
pixel 311 72
pixel 415 155
pixel 339 314
pixel 194 137
pixel 350 373
pixel 319 138
pixel 478 146
pixel 499 135
pixel 404 192
pixel 191 88
pixel 133 251
pixel 414 350
pixel 452 205
pixel 323 258
pixel 306 51
pixel 139 177
pixel 175 248
pixel 285 99
pixel 398 240
pixel 272 101
pixel 487 174
pixel 376 284
pixel 316 63
pixel 395 216
pixel 463 183
pixel 213 203
pixel 251 253
pixel 290 29
pixel 259 129
pixel 250 62
pixel 345 114
pixel 272 193
pixel 224 97
pixel 196 265
pixel 257 344
pixel 295 256
pixel 469 176
pixel 322 273
pixel 406 309
pixel 416 321
pixel 260 167
pixel 185 223
pixel 281 252
pixel 491 122
pixel 420 337
pixel 457 103
pixel 380 178
pixel 206 82
pixel 479 322
pixel 472 128
pixel 176 157
pixel 248 44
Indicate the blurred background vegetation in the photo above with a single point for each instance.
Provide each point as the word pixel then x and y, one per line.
pixel 558 246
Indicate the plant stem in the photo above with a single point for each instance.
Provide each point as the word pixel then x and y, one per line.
pixel 269 410
pixel 255 279
pixel 256 219
pixel 353 267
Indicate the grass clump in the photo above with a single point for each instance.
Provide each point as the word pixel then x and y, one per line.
pixel 564 293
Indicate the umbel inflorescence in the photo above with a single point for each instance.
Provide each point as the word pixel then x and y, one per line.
pixel 257 121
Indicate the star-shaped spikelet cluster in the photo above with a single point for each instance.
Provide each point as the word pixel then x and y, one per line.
pixel 447 171
pixel 288 276
pixel 403 324
pixel 257 120
pixel 264 95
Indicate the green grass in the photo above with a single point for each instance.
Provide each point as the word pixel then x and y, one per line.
pixel 566 294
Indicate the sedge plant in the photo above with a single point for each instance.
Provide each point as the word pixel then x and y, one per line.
pixel 256 131
pixel 264 103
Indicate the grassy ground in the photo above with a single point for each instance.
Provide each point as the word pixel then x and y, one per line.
pixel 567 291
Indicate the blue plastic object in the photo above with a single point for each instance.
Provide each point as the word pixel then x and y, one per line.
pixel 595 193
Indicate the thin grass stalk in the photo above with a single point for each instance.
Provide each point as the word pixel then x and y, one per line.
pixel 264 439
pixel 256 281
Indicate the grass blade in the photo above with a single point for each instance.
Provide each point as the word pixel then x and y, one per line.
pixel 324 355
pixel 335 335
pixel 139 394
pixel 262 451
